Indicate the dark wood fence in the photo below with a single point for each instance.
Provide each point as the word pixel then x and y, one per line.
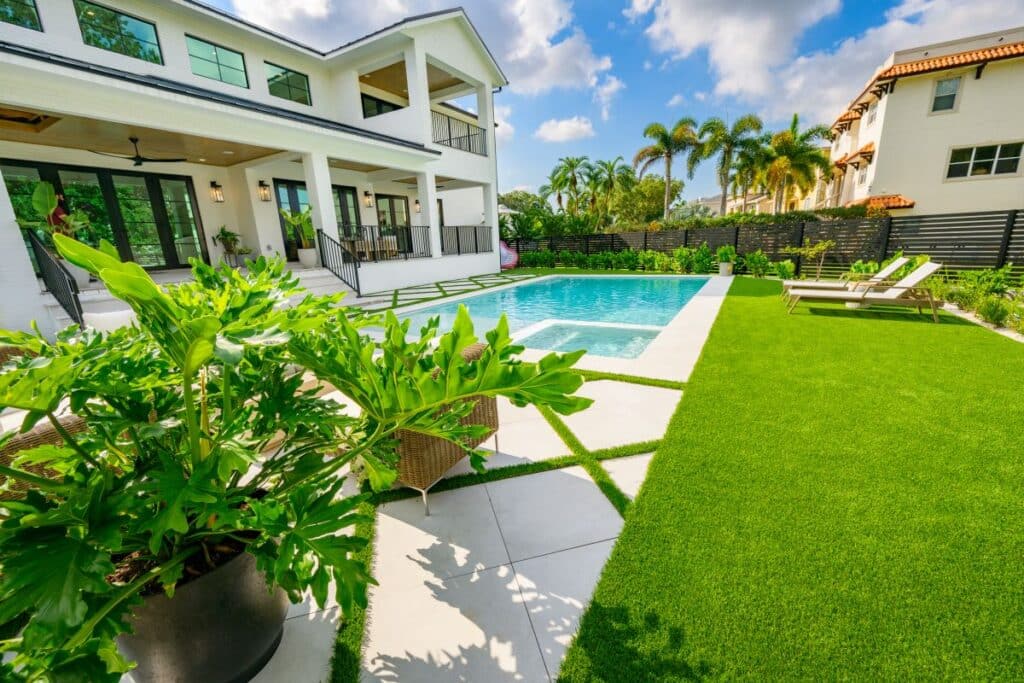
pixel 961 241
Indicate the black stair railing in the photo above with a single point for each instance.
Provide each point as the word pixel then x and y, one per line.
pixel 56 277
pixel 339 260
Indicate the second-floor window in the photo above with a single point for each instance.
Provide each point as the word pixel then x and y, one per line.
pixel 288 84
pixel 967 162
pixel 862 175
pixel 20 13
pixel 219 63
pixel 946 90
pixel 872 113
pixel 374 106
pixel 111 30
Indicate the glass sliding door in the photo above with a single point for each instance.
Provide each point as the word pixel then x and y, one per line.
pixel 83 192
pixel 181 220
pixel 139 221
pixel 393 218
pixel 346 208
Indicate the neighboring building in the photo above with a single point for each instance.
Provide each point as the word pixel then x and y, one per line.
pixel 713 204
pixel 363 134
pixel 937 129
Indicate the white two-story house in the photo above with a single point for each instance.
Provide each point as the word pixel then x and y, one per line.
pixel 937 129
pixel 230 123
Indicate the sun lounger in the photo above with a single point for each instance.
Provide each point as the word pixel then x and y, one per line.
pixel 906 292
pixel 838 285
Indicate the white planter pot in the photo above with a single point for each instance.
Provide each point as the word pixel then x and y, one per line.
pixel 725 268
pixel 307 257
pixel 80 275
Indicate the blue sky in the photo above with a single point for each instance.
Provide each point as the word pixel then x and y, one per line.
pixel 588 75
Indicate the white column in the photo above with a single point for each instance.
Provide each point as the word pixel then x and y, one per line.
pixel 321 197
pixel 426 192
pixel 485 115
pixel 23 302
pixel 490 191
pixel 419 93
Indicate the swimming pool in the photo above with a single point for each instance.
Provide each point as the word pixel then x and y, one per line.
pixel 648 302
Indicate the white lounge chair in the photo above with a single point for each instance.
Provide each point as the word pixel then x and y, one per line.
pixel 839 285
pixel 906 292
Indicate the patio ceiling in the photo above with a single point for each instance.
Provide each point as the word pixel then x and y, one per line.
pixel 391 78
pixel 74 132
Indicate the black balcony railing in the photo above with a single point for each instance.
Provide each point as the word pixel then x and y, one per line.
pixel 457 133
pixel 466 239
pixel 55 276
pixel 371 243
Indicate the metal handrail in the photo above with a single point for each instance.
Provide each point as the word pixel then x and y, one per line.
pixel 458 134
pixel 339 260
pixel 373 243
pixel 466 239
pixel 56 277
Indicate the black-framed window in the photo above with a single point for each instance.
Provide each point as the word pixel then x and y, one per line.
pixel 946 90
pixel 220 63
pixel 110 29
pixel 374 106
pixel 288 84
pixel 23 13
pixel 969 162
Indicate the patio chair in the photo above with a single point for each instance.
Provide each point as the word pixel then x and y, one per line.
pixel 844 283
pixel 423 460
pixel 43 434
pixel 906 292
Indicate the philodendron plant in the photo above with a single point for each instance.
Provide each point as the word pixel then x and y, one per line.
pixel 201 443
pixel 301 223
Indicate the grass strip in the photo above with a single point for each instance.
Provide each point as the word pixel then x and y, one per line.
pixel 834 498
pixel 626 451
pixel 594 375
pixel 346 663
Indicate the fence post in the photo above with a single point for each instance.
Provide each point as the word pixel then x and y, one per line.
pixel 686 237
pixel 736 239
pixel 1004 246
pixel 458 240
pixel 476 241
pixel 799 243
pixel 886 231
pixel 586 245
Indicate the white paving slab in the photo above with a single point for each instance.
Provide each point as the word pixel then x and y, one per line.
pixel 556 589
pixel 552 511
pixel 523 436
pixel 305 650
pixel 628 473
pixel 467 628
pixel 622 414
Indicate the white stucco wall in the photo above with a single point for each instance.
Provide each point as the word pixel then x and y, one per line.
pixel 381 277
pixel 463 207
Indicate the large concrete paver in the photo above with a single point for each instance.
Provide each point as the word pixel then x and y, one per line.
pixel 622 414
pixel 629 473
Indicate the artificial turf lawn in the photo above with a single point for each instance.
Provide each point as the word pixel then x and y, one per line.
pixel 839 495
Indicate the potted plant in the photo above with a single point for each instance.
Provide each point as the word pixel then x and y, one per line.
pixel 726 259
pixel 301 224
pixel 52 221
pixel 228 240
pixel 203 485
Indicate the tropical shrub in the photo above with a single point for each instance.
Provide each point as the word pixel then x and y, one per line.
pixel 757 263
pixel 301 224
pixel 784 270
pixel 703 259
pixel 175 473
pixel 684 259
pixel 626 260
pixel 994 309
pixel 726 254
pixel 813 253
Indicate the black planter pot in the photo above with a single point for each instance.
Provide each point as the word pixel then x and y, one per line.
pixel 221 628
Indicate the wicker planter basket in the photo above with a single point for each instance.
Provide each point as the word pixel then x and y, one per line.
pixel 43 434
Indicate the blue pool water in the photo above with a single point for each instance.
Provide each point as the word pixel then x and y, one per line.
pixel 618 342
pixel 631 300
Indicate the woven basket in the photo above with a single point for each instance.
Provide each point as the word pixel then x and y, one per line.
pixel 422 460
pixel 43 434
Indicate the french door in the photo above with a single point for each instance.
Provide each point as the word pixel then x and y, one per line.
pixel 292 196
pixel 150 218
pixel 393 219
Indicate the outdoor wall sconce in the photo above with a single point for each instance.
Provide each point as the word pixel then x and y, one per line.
pixel 416 205
pixel 216 191
pixel 263 190
pixel 368 199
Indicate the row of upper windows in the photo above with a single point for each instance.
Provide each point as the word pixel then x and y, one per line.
pixel 116 31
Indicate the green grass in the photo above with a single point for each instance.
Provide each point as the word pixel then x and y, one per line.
pixel 838 496
pixel 348 643
pixel 594 375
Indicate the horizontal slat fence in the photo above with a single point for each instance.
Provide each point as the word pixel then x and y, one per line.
pixel 961 241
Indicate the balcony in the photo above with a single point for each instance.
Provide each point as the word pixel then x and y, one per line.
pixel 458 134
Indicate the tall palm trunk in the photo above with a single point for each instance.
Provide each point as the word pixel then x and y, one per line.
pixel 723 182
pixel 668 183
pixel 746 191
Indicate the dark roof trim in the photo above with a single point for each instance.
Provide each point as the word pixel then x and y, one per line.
pixel 208 95
pixel 199 4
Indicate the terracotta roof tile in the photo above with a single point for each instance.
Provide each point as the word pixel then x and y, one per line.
pixel 885 201
pixel 921 66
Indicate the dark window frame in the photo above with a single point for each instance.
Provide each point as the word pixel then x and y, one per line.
pixel 377 102
pixel 968 165
pixel 121 13
pixel 245 66
pixel 34 6
pixel 309 86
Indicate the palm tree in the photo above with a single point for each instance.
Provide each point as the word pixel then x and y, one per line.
pixel 665 146
pixel 748 166
pixel 611 176
pixel 792 159
pixel 573 170
pixel 556 185
pixel 718 138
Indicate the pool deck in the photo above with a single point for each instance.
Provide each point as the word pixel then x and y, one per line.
pixel 671 355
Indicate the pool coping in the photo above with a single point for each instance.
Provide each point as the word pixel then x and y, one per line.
pixel 671 355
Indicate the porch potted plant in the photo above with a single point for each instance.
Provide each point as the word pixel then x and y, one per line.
pixel 203 486
pixel 228 241
pixel 726 259
pixel 301 224
pixel 51 221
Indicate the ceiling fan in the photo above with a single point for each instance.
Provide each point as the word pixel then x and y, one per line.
pixel 137 159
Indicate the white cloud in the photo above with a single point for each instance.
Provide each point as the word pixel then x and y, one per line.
pixel 564 130
pixel 700 96
pixel 676 100
pixel 751 46
pixel 605 93
pixel 647 65
pixel 505 131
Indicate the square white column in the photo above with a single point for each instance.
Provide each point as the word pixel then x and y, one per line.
pixel 426 192
pixel 321 196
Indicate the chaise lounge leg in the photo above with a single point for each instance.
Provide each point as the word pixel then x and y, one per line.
pixel 496 449
pixel 426 506
pixel 793 302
